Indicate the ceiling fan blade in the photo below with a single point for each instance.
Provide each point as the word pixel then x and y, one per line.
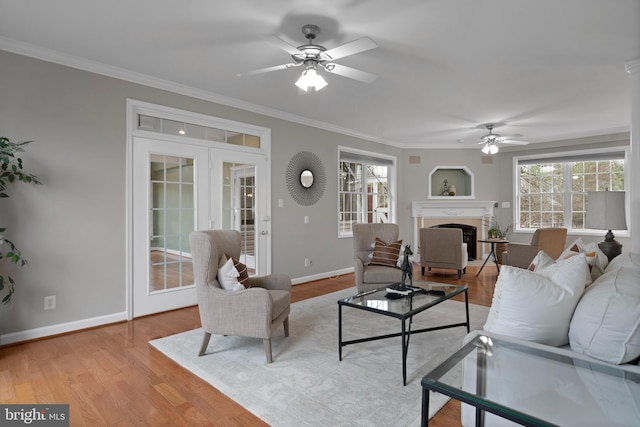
pixel 514 142
pixel 268 69
pixel 272 38
pixel 351 48
pixel 351 73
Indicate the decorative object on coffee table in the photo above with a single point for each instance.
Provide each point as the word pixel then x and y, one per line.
pixel 407 268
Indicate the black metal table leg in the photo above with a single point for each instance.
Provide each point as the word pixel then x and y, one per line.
pixel 425 407
pixel 404 354
pixel 466 308
pixel 339 332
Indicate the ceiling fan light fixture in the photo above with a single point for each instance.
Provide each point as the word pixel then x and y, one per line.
pixel 490 148
pixel 311 79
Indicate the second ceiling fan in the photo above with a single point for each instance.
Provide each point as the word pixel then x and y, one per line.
pixel 491 140
pixel 314 57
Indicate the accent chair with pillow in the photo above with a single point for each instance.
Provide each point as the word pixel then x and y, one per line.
pixel 376 249
pixel 550 240
pixel 230 302
pixel 443 248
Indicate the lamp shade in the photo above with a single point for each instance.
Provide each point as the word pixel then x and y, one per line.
pixel 606 210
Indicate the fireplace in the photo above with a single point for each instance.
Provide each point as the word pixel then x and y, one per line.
pixel 469 237
pixel 461 213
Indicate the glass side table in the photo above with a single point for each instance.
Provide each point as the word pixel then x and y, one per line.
pixel 534 385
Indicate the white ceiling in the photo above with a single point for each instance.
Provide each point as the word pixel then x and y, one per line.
pixel 544 69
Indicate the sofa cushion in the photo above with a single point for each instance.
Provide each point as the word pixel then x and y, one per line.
pixel 627 259
pixel 606 322
pixel 537 306
pixel 386 254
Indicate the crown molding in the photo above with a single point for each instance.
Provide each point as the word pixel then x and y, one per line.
pixel 72 61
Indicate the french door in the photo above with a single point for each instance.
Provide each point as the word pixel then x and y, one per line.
pixel 178 188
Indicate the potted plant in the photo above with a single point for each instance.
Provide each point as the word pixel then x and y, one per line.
pixel 11 170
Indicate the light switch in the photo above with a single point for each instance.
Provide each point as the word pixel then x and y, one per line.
pixel 306 219
pixel 506 205
pixel 280 203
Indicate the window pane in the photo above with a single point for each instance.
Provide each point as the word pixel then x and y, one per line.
pixel 543 202
pixel 363 194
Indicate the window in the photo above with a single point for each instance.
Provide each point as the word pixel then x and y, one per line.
pixel 366 189
pixel 552 192
pixel 190 130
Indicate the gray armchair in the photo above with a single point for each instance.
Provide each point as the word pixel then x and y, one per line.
pixel 254 312
pixel 443 248
pixel 370 276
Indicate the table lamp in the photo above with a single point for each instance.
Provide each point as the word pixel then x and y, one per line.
pixel 606 211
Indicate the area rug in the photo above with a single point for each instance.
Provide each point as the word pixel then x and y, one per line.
pixel 306 385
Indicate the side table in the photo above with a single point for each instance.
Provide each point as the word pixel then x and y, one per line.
pixel 492 253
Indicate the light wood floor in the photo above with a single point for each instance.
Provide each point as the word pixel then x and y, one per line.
pixel 111 376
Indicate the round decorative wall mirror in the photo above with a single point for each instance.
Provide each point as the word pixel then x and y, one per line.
pixel 306 178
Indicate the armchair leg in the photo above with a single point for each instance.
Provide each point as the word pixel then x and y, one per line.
pixel 205 343
pixel 459 274
pixel 267 349
pixel 286 326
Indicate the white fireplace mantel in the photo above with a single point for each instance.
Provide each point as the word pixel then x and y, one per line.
pixel 450 209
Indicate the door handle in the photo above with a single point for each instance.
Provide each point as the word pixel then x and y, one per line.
pixel 263 232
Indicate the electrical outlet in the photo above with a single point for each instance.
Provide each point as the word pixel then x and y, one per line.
pixel 50 302
pixel 307 262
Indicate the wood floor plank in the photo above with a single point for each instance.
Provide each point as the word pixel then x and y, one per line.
pixel 112 376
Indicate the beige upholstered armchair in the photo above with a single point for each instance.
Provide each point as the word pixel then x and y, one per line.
pixel 443 248
pixel 370 275
pixel 550 240
pixel 253 312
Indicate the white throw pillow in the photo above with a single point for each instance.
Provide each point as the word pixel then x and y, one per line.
pixel 537 306
pixel 228 277
pixel 606 323
pixel 541 260
pixel 596 259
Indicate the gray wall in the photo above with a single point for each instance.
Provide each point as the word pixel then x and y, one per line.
pixel 72 228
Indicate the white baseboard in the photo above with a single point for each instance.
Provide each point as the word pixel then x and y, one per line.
pixel 325 275
pixel 46 331
pixel 61 328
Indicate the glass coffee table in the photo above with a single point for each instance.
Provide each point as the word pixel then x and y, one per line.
pixel 534 385
pixel 428 294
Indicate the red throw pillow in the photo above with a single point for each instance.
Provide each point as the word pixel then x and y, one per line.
pixel 386 254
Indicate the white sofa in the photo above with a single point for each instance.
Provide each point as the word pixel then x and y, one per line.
pixel 603 328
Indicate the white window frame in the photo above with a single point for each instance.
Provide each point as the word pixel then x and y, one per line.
pixel 562 157
pixel 391 182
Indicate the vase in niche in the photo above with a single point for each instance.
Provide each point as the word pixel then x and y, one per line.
pixel 452 190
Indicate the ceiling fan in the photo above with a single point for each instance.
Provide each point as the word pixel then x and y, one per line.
pixel 314 57
pixel 491 140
